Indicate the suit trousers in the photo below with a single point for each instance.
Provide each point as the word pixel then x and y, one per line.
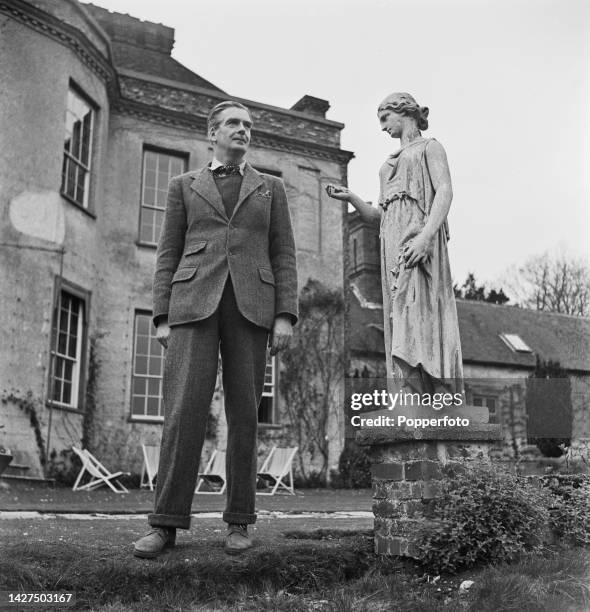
pixel 190 373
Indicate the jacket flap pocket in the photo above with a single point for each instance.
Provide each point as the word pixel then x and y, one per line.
pixel 266 276
pixel 195 247
pixel 184 274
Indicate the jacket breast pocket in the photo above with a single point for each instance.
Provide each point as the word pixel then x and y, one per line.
pixel 195 247
pixel 184 274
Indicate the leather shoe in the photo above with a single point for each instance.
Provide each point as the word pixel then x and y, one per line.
pixel 155 542
pixel 237 539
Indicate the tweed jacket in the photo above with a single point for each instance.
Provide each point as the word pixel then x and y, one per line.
pixel 199 246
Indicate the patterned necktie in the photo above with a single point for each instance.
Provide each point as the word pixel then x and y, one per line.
pixel 226 170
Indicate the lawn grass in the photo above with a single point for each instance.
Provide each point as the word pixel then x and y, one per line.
pixel 323 570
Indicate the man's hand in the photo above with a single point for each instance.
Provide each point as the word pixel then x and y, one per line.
pixel 282 332
pixel 163 333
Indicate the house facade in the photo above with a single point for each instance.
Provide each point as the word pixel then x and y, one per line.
pixel 96 116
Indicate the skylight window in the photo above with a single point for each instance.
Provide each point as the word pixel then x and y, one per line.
pixel 516 343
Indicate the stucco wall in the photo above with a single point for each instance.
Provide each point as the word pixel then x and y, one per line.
pixel 36 73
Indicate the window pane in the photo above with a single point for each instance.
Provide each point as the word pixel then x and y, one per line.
pixel 149 196
pixel 160 198
pixel 67 393
pixel 62 343
pixel 158 220
pixel 154 387
pixel 265 410
pixel 68 370
pixel 143 324
pixel 80 184
pixel 141 365
pixel 153 406
pixel 147 225
pixel 155 347
pixel 138 405
pixel 142 345
pixel 155 367
pixel 85 149
pixel 76 138
pixel 151 161
pixel 150 179
pixel 176 167
pixel 139 386
pixel 57 390
pixel 70 186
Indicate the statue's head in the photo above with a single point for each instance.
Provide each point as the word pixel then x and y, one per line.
pixel 404 104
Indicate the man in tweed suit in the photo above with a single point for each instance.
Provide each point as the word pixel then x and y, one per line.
pixel 225 278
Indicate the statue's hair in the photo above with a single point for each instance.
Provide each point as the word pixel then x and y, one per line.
pixel 405 104
pixel 213 120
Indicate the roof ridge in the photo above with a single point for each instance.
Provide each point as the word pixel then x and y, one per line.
pixel 523 308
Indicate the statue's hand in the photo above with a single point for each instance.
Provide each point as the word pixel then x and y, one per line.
pixel 418 250
pixel 338 192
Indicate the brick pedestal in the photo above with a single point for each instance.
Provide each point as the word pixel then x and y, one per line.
pixel 408 476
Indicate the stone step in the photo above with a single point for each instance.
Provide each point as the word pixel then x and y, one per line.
pixel 16 469
pixel 26 479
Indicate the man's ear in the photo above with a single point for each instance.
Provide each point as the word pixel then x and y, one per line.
pixel 212 135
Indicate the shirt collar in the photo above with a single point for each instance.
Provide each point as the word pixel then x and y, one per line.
pixel 215 163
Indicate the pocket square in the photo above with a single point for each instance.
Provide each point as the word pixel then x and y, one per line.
pixel 264 194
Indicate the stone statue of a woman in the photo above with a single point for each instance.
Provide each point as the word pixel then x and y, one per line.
pixel 420 316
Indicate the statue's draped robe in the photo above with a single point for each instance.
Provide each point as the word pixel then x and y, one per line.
pixel 420 315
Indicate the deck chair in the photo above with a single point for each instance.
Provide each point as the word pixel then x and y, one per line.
pixel 214 474
pixel 275 469
pixel 99 475
pixel 151 459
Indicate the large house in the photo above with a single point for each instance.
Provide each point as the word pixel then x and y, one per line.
pixel 96 116
pixel 501 346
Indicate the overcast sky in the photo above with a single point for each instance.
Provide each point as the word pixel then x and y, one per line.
pixel 507 83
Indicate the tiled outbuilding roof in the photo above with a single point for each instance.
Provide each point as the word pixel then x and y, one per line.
pixel 551 336
pixel 558 337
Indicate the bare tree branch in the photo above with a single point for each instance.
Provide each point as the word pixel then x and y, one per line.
pixel 553 282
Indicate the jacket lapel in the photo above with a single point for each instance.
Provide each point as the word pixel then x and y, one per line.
pixel 205 186
pixel 251 181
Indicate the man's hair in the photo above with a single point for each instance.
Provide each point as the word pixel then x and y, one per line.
pixel 213 120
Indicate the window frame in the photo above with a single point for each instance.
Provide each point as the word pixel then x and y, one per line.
pixel 87 204
pixel 143 418
pixel 483 398
pixel 272 394
pixel 62 285
pixel 146 147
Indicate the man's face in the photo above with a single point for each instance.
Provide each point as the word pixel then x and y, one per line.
pixel 231 138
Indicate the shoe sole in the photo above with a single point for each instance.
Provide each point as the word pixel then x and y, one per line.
pixel 143 554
